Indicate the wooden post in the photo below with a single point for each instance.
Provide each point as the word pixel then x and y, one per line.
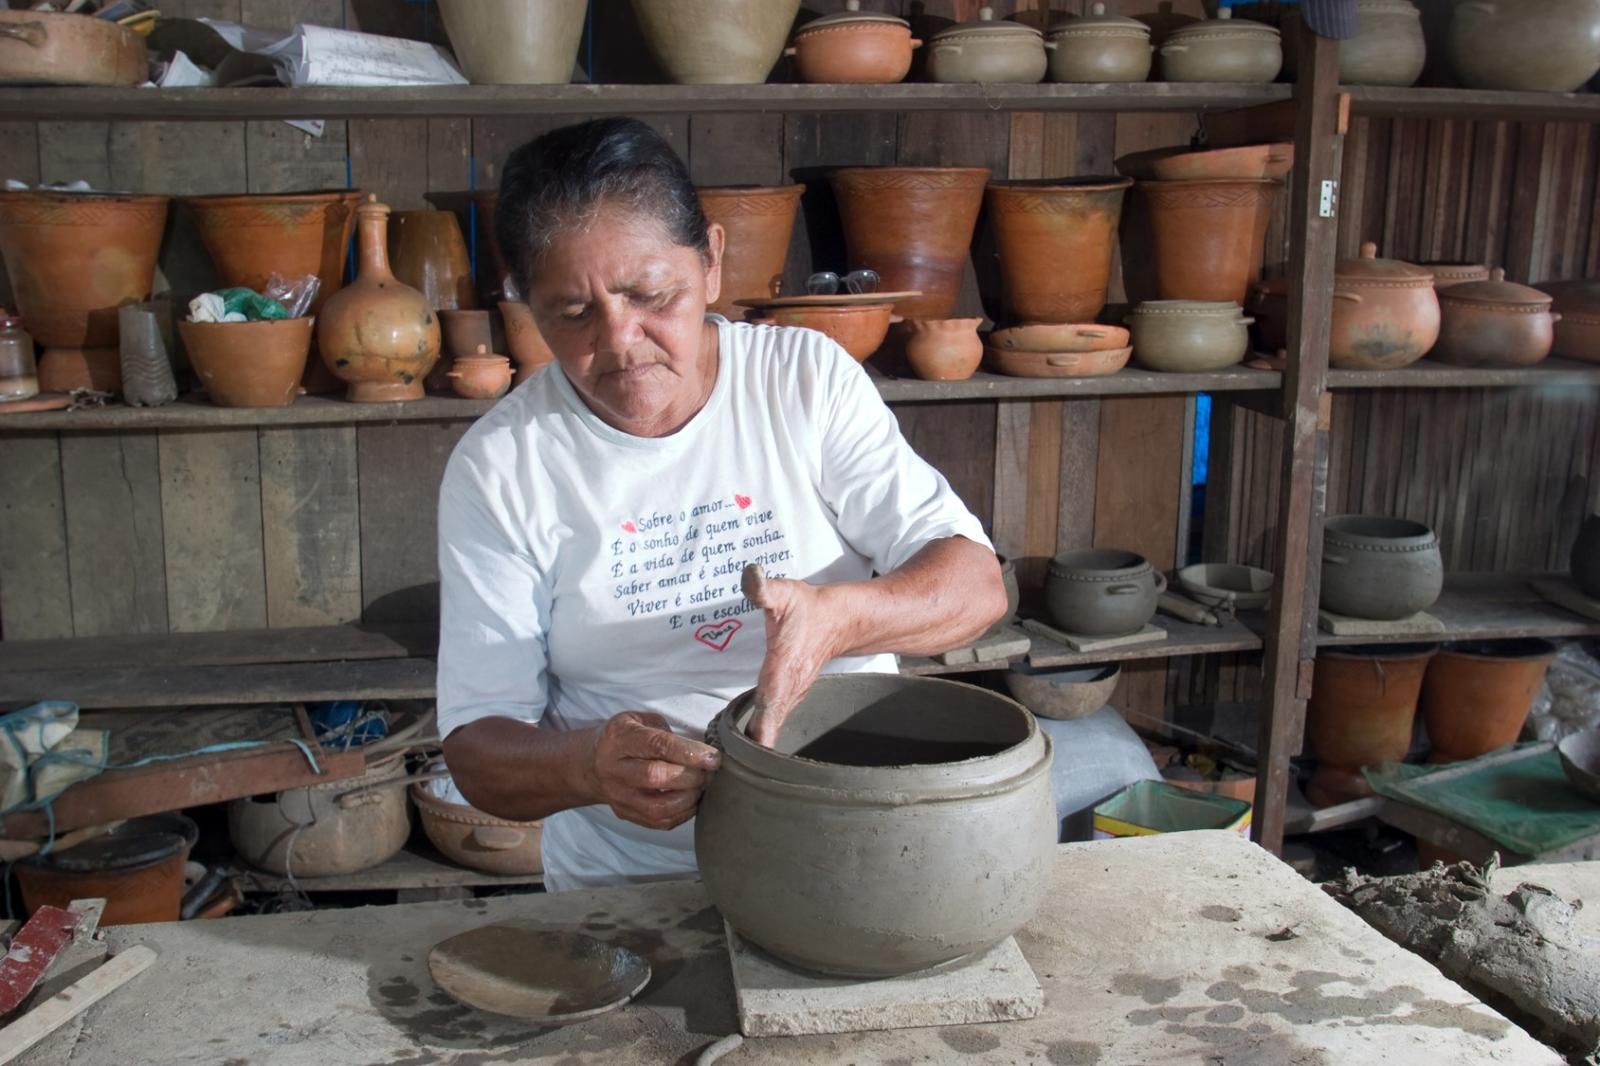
pixel 1291 638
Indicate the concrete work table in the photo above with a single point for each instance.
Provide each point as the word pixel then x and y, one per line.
pixel 1188 948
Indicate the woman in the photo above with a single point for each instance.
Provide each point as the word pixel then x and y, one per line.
pixel 679 508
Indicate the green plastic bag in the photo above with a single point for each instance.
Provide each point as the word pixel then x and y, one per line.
pixel 251 304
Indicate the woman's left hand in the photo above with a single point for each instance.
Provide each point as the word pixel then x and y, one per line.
pixel 801 640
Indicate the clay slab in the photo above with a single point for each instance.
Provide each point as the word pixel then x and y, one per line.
pixel 1422 624
pixel 1563 593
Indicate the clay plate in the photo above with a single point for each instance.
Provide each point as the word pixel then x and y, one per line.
pixel 1087 337
pixel 1242 588
pixel 843 299
pixel 44 401
pixel 547 976
pixel 1057 364
pixel 1580 758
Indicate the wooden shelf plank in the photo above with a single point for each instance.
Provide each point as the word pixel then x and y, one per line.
pixel 1428 374
pixel 1484 104
pixel 416 866
pixel 1182 639
pixel 468 101
pixel 1488 607
pixel 231 648
pixel 986 386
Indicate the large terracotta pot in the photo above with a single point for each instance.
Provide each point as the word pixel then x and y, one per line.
pixel 913 225
pixel 1363 704
pixel 1379 568
pixel 1055 241
pixel 1530 45
pixel 716 42
pixel 74 258
pixel 378 336
pixel 1494 323
pixel 1586 557
pixel 41 48
pixel 249 364
pixel 1385 313
pixel 250 238
pixel 759 222
pixel 1475 697
pixel 428 253
pixel 515 42
pixel 137 868
pixel 896 824
pixel 1210 235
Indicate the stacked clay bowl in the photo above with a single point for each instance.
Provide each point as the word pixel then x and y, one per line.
pixel 1058 351
pixel 858 323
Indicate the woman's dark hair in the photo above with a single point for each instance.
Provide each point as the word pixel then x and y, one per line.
pixel 555 183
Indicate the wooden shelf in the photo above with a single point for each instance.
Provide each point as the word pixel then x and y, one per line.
pixel 417 865
pixel 465 101
pixel 1488 607
pixel 1428 374
pixel 1472 104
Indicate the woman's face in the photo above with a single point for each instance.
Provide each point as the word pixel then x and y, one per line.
pixel 623 306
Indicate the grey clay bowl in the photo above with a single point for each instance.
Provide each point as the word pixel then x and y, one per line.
pixel 1063 694
pixel 1383 569
pixel 1102 592
pixel 1580 758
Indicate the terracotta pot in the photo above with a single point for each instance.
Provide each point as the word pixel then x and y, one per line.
pixel 1379 568
pixel 340 827
pixel 74 258
pixel 66 369
pixel 528 349
pixel 987 50
pixel 250 238
pixel 463 332
pixel 944 349
pixel 857 328
pixel 1475 697
pixel 1363 704
pixel 1527 45
pixel 469 837
pixel 854 47
pixel 497 284
pixel 1093 363
pixel 1586 557
pixel 716 42
pixel 1233 164
pixel 1189 336
pixel 41 48
pixel 1063 694
pixel 759 222
pixel 1063 337
pixel 1389 47
pixel 1055 241
pixel 1494 323
pixel 1222 49
pixel 249 364
pixel 936 794
pixel 428 253
pixel 515 42
pixel 1385 313
pixel 1098 47
pixel 913 225
pixel 1577 334
pixel 378 336
pixel 481 377
pixel 1102 592
pixel 137 868
pixel 1209 236
pixel 1448 274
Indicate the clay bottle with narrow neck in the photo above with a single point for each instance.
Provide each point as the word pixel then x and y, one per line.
pixel 378 335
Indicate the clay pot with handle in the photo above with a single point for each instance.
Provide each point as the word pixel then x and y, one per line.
pixel 1494 323
pixel 1098 47
pixel 1577 333
pixel 1055 240
pixel 944 349
pixel 1222 49
pixel 988 50
pixel 759 223
pixel 1361 713
pixel 1102 592
pixel 1525 45
pixel 854 47
pixel 1378 567
pixel 480 376
pixel 1475 697
pixel 44 48
pixel 1385 313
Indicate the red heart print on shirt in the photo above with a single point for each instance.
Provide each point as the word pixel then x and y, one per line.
pixel 717 635
pixel 742 501
pixel 630 527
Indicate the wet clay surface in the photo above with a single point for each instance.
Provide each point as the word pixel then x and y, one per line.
pixel 855 747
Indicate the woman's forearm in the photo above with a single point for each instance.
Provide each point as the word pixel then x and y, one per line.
pixel 945 596
pixel 517 771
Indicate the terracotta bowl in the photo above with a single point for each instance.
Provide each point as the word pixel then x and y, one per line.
pixel 528 349
pixel 1251 161
pixel 859 329
pixel 480 377
pixel 1063 694
pixel 249 364
pixel 1087 337
pixel 1058 364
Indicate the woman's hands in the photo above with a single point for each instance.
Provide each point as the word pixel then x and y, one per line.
pixel 801 639
pixel 645 772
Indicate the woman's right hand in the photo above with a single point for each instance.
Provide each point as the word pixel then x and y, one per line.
pixel 648 774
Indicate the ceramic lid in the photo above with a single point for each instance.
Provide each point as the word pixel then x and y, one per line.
pixel 1578 297
pixel 1097 19
pixel 1224 24
pixel 1497 290
pixel 1225 308
pixel 1368 267
pixel 851 14
pixel 987 27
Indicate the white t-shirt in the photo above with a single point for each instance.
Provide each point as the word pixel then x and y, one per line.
pixel 584 571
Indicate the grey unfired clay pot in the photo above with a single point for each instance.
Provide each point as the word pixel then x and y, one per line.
pixel 1222 49
pixel 515 42
pixel 1389 47
pixel 1586 557
pixel 876 870
pixel 1528 45
pixel 1102 592
pixel 1379 568
pixel 716 42
pixel 988 50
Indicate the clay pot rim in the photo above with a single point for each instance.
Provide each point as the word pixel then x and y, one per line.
pixel 477 361
pixel 1099 564
pixel 987 30
pixel 60 196
pixel 173 824
pixel 943 325
pixel 1190 309
pixel 1522 649
pixel 795 189
pixel 828 310
pixel 851 172
pixel 1173 182
pixel 446 811
pixel 1228 29
pixel 460 312
pixel 1407 535
pixel 1387 652
pixel 1368 269
pixel 1093 183
pixel 328 196
pixel 1057 676
pixel 854 22
pixel 303 322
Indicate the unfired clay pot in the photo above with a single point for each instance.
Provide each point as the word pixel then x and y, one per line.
pixel 1385 313
pixel 1209 235
pixel 716 42
pixel 759 221
pixel 1098 47
pixel 1222 49
pixel 1055 241
pixel 1363 704
pixel 1577 334
pixel 1529 45
pixel 1102 592
pixel 1586 557
pixel 987 50
pixel 1389 47
pixel 528 348
pixel 339 827
pixel 378 336
pixel 1379 568
pixel 515 42
pixel 1494 323
pixel 859 329
pixel 481 376
pixel 428 253
pixel 913 225
pixel 944 349
pixel 249 364
pixel 1189 336
pixel 74 258
pixel 854 47
pixel 1475 697
pixel 897 823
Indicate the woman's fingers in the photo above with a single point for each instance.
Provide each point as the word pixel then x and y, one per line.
pixel 656 776
pixel 659 810
pixel 651 737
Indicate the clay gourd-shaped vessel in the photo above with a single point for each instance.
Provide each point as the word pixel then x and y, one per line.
pixel 896 823
pixel 1055 241
pixel 1475 697
pixel 716 42
pixel 1385 313
pixel 377 335
pixel 515 42
pixel 758 221
pixel 854 47
pixel 913 225
pixel 944 349
pixel 1529 45
pixel 74 258
pixel 1379 568
pixel 428 253
pixel 1586 558
pixel 1210 235
pixel 1363 704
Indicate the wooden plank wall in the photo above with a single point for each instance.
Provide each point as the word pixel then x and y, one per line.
pixel 183 530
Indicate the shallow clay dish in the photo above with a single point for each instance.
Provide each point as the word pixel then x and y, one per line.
pixel 1057 364
pixel 548 976
pixel 1087 337
pixel 843 299
pixel 1580 758
pixel 44 401
pixel 1243 588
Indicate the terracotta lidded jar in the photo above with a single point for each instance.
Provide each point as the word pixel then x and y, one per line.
pixel 1526 45
pixel 1475 697
pixel 377 335
pixel 1222 49
pixel 480 376
pixel 1098 47
pixel 1362 708
pixel 1055 240
pixel 1494 323
pixel 1210 235
pixel 913 225
pixel 988 50
pixel 716 42
pixel 854 47
pixel 1385 313
pixel 758 222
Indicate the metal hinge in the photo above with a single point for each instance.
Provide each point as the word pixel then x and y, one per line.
pixel 1328 202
